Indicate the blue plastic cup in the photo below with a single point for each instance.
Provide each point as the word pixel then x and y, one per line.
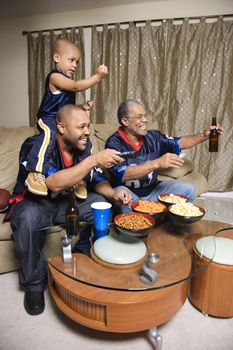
pixel 101 215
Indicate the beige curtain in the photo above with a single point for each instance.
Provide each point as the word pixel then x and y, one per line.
pixel 40 63
pixel 135 60
pixel 182 72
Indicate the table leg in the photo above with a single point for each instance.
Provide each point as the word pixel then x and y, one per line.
pixel 66 249
pixel 156 338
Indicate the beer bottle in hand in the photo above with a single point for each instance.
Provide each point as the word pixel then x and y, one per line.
pixel 72 215
pixel 213 138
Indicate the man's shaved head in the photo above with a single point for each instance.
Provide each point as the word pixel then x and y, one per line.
pixel 68 112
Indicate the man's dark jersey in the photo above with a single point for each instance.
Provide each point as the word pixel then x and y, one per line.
pixel 150 147
pixel 56 163
pixel 51 102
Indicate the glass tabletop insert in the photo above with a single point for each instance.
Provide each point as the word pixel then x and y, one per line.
pixel 175 247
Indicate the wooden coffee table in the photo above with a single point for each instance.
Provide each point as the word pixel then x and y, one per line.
pixel 112 298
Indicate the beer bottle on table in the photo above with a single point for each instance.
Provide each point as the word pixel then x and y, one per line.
pixel 213 138
pixel 72 215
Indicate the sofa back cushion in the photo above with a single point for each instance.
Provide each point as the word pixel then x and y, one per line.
pixel 100 134
pixel 11 140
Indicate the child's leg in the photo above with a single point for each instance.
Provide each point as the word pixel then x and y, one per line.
pixel 40 155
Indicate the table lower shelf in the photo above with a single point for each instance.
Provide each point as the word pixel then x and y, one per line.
pixel 114 310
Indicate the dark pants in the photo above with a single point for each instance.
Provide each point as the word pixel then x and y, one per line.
pixel 43 146
pixel 35 213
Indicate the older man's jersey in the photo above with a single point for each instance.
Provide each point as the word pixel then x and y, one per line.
pixel 150 147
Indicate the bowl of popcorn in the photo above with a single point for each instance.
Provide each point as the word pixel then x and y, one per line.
pixel 185 213
pixel 134 224
pixel 155 209
pixel 172 198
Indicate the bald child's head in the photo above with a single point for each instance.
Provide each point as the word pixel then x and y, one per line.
pixel 66 56
pixel 61 45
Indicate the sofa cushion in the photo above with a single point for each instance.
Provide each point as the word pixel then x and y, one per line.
pixel 8 260
pixel 198 180
pixel 101 133
pixel 10 141
pixel 6 231
pixel 176 173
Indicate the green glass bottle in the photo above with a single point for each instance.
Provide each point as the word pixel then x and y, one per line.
pixel 213 138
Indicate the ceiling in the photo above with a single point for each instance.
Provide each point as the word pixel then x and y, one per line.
pixel 20 8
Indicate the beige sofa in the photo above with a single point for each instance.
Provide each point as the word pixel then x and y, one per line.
pixel 10 142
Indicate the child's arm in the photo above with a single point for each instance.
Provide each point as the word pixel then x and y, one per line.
pixel 60 82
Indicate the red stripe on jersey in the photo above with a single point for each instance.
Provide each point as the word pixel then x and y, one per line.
pixel 68 163
pixel 135 147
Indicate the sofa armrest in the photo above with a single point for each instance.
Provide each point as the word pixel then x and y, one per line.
pixel 11 141
pixel 177 173
pixel 198 180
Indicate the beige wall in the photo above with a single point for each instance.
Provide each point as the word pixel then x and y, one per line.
pixel 13 56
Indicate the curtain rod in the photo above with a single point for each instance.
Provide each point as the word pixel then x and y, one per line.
pixel 140 21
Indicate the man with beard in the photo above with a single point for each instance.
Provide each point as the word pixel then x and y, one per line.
pixel 153 151
pixel 70 163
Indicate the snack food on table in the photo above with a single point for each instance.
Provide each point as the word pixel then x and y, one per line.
pixel 133 222
pixel 186 209
pixel 172 198
pixel 150 207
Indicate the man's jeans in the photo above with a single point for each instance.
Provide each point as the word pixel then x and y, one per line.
pixel 33 214
pixel 166 186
